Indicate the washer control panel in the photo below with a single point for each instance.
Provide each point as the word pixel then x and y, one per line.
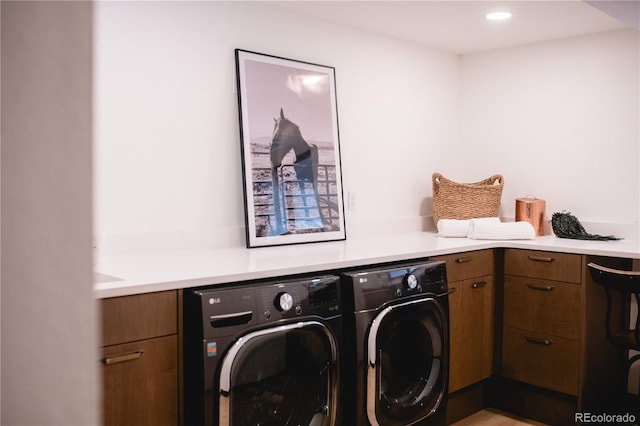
pixel 227 310
pixel 375 287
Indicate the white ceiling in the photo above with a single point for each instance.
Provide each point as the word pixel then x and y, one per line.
pixel 460 26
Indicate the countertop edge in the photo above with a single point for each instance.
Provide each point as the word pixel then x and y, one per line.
pixel 151 272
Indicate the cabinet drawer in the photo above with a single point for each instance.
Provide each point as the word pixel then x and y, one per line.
pixel 548 307
pixel 547 361
pixel 467 265
pixel 140 382
pixel 544 265
pixel 142 316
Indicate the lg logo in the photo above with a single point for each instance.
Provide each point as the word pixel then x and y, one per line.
pixel 214 300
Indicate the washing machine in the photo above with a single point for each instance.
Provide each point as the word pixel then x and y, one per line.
pixel 401 343
pixel 265 353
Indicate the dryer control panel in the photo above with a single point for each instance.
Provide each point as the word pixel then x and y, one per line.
pixel 373 288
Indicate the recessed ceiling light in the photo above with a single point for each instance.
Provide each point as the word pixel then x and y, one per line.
pixel 498 16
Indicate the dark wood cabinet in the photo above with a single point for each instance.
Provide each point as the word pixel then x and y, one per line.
pixel 471 332
pixel 556 360
pixel 140 360
pixel 542 319
pixel 471 310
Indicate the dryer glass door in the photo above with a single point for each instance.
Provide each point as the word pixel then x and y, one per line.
pixel 283 375
pixel 407 368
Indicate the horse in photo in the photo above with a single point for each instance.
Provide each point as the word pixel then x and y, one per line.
pixel 287 137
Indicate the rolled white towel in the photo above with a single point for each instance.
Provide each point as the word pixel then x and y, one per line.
pixel 453 228
pixel 459 228
pixel 483 230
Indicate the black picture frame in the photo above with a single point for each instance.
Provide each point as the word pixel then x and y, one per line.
pixel 290 150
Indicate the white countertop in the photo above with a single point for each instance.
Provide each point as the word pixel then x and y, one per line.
pixel 144 273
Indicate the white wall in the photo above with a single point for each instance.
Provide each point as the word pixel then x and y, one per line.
pixel 167 160
pixel 49 315
pixel 559 120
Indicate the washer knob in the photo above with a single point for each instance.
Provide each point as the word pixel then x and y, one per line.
pixel 412 281
pixel 283 302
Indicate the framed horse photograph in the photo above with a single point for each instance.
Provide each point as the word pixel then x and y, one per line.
pixel 290 150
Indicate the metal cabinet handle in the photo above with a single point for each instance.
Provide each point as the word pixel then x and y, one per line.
pixel 540 287
pixel 538 340
pixel 479 284
pixel 464 259
pixel 541 259
pixel 129 356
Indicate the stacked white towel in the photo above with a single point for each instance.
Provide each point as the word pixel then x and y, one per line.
pixel 459 228
pixel 484 230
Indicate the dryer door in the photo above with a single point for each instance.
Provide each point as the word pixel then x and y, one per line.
pixel 407 354
pixel 283 375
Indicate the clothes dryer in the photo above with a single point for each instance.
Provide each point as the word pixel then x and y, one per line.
pixel 401 337
pixel 263 353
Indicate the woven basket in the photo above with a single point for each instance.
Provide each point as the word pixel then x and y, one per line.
pixel 452 200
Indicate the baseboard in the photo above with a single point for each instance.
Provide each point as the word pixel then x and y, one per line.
pixel 532 402
pixel 464 402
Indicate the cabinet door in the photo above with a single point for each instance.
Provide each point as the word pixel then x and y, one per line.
pixel 140 382
pixel 482 294
pixel 471 331
pixel 456 336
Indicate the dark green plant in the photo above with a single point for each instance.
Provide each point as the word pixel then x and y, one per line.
pixel 566 225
